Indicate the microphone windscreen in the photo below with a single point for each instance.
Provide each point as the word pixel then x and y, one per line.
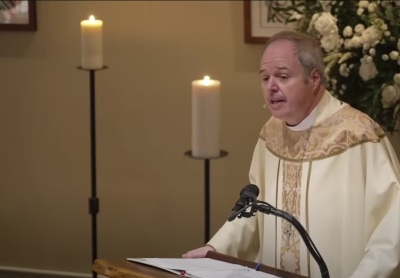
pixel 252 188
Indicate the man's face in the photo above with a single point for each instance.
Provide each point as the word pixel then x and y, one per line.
pixel 287 92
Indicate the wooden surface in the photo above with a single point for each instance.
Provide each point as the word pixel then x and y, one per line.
pixel 126 269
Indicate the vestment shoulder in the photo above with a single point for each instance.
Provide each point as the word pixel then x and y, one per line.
pixel 340 131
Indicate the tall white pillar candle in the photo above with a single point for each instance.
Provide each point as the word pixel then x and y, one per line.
pixel 92 43
pixel 205 118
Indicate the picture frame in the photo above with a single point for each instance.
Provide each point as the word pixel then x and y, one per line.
pixel 18 15
pixel 257 29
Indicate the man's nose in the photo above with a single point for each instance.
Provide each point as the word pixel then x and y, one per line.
pixel 272 86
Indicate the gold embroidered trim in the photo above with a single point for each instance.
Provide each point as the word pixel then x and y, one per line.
pixel 290 256
pixel 291 196
pixel 307 215
pixel 276 218
pixel 344 129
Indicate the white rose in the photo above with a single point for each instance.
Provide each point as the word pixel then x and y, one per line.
pixel 372 51
pixel 313 19
pixel 367 71
pixel 325 24
pixel 372 7
pixel 360 11
pixel 356 42
pixel 396 78
pixel 394 55
pixel 366 46
pixel 347 31
pixel 371 36
pixel 347 43
pixel 359 29
pixel 390 95
pixel 363 4
pixel 331 42
pixel 385 57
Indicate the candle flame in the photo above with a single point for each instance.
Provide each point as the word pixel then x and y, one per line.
pixel 206 80
pixel 92 18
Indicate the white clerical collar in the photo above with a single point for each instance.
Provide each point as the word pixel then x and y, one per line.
pixel 326 107
pixel 306 123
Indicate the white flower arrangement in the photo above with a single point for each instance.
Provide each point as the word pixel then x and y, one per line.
pixel 361 45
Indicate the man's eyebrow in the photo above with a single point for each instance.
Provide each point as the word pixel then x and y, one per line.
pixel 278 67
pixel 283 67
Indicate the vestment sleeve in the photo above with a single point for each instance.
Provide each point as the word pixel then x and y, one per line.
pixel 238 238
pixel 241 237
pixel 382 213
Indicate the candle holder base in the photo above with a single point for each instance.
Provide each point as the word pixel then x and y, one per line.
pixel 222 153
pixel 85 69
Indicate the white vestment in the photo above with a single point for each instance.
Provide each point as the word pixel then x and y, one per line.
pixel 347 199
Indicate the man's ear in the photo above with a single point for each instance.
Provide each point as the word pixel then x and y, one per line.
pixel 315 77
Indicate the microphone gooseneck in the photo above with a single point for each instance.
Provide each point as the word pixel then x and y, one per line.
pixel 241 210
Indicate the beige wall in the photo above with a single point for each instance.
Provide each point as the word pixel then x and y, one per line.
pixel 151 195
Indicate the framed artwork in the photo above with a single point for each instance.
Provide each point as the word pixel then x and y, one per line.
pixel 258 26
pixel 17 15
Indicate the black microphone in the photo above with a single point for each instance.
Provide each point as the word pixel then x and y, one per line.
pixel 248 195
pixel 248 198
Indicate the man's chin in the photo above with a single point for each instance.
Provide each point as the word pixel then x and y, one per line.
pixel 279 114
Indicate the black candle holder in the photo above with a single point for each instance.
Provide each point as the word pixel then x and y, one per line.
pixel 222 153
pixel 94 203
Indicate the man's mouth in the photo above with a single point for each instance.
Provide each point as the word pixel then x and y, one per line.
pixel 274 101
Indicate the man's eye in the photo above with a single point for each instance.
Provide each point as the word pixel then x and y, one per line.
pixel 265 78
pixel 284 77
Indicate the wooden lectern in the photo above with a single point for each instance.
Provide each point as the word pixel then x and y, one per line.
pixel 127 269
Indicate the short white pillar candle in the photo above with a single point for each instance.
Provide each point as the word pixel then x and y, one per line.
pixel 92 43
pixel 205 118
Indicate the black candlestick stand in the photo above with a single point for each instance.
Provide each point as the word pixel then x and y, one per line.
pixel 94 204
pixel 206 190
